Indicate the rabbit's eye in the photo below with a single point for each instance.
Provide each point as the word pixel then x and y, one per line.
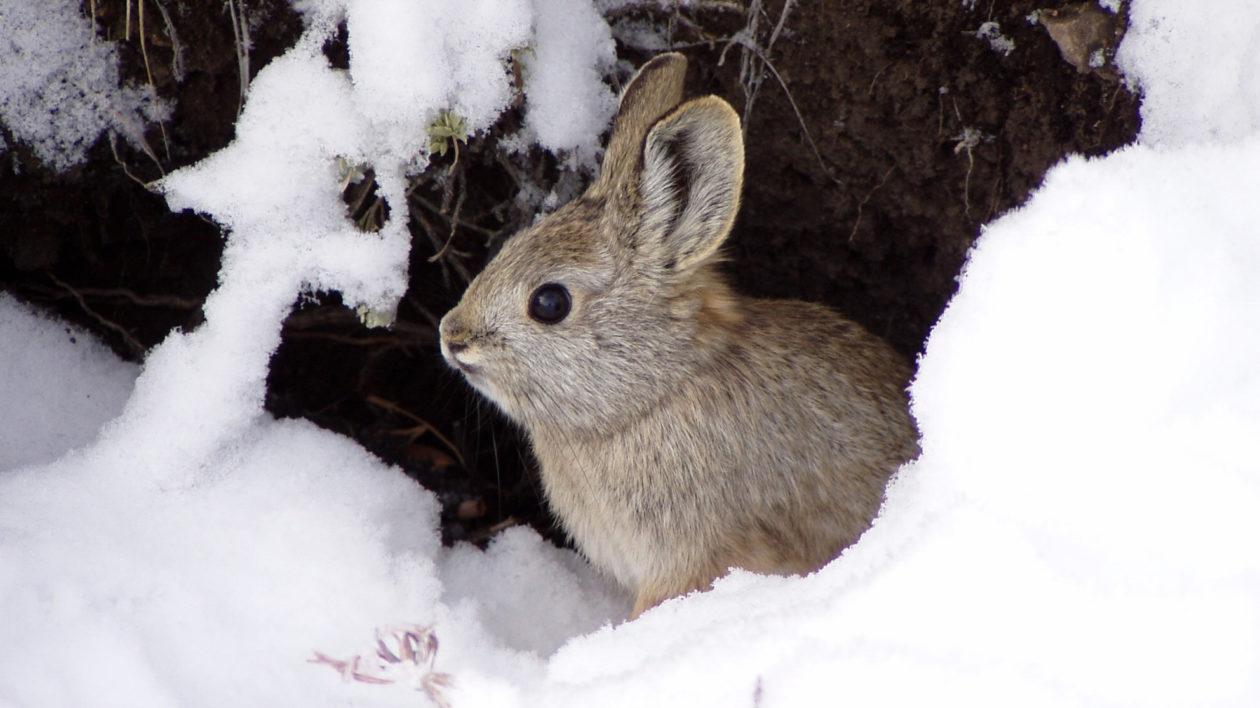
pixel 550 303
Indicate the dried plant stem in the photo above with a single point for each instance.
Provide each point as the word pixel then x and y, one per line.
pixel 422 426
pixel 177 49
pixel 865 200
pixel 795 109
pixel 132 343
pixel 148 70
pixel 131 296
pixel 459 207
pixel 240 32
pixel 113 148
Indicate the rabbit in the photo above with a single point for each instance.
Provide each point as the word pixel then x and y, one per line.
pixel 681 429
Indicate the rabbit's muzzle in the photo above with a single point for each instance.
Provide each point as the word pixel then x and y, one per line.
pixel 456 345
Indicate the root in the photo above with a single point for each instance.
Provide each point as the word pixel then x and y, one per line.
pixel 862 204
pixel 132 343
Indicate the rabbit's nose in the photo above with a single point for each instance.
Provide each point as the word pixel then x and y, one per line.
pixel 448 329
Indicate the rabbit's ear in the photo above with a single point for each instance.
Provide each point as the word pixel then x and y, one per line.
pixel 655 90
pixel 689 186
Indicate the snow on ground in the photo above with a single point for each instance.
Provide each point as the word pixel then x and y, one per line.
pixel 1078 531
pixel 59 84
pixel 58 386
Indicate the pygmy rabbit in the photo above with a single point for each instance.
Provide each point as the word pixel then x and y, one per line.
pixel 682 429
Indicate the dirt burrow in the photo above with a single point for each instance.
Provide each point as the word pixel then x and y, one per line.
pixel 925 129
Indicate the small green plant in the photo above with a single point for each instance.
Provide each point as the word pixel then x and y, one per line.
pixel 447 130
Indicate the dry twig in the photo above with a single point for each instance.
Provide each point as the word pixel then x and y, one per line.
pixel 240 31
pixel 422 426
pixel 862 204
pixel 132 343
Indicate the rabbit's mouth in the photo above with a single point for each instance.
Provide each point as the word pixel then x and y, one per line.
pixel 464 367
pixel 467 369
pixel 451 352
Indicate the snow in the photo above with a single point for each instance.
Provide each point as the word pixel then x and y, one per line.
pixel 429 56
pixel 573 48
pixel 1078 530
pixel 1199 71
pixel 59 83
pixel 530 580
pixel 58 386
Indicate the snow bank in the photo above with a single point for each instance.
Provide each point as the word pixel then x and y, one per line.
pixel 59 83
pixel 573 48
pixel 1078 530
pixel 1199 70
pixel 58 386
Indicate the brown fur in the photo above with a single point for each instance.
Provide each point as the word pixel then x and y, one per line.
pixel 682 429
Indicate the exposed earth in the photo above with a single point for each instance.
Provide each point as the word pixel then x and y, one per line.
pixel 883 135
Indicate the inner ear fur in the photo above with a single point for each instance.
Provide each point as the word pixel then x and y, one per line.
pixel 655 90
pixel 690 183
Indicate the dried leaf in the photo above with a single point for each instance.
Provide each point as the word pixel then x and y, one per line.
pixel 1083 32
pixel 384 652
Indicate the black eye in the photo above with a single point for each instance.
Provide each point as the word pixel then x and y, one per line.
pixel 550 303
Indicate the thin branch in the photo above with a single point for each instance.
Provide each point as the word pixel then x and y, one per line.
pixel 132 343
pixel 778 27
pixel 795 109
pixel 862 204
pixel 113 148
pixel 177 49
pixel 240 32
pixel 131 296
pixel 148 70
pixel 467 225
pixel 350 340
pixel 422 425
pixel 459 206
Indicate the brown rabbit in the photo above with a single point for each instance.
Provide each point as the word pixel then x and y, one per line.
pixel 682 429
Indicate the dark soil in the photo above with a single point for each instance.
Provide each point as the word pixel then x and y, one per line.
pixel 887 90
pixel 923 132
